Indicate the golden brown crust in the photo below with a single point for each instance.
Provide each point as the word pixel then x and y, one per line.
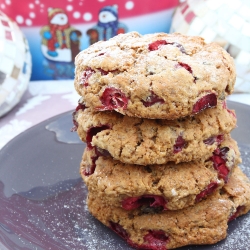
pixel 204 223
pixel 146 141
pixel 136 71
pixel 178 184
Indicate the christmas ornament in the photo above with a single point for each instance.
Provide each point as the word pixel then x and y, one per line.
pixel 15 64
pixel 226 22
pixel 60 41
pixel 108 25
pixel 58 30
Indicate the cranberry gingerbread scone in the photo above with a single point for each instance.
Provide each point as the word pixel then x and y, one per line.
pixel 204 223
pixel 147 141
pixel 158 76
pixel 157 187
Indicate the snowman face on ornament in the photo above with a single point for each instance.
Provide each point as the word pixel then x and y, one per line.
pixel 108 25
pixel 106 17
pixel 59 19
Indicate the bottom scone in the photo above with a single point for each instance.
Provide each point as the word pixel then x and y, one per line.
pixel 204 223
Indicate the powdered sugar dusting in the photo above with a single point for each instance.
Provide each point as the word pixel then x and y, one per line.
pixel 239 229
pixel 93 233
pixel 57 217
pixel 245 154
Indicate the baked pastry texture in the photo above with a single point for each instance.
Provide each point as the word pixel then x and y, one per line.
pixel 158 187
pixel 204 223
pixel 159 76
pixel 149 141
pixel 160 165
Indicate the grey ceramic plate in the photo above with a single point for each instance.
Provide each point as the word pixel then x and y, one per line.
pixel 42 198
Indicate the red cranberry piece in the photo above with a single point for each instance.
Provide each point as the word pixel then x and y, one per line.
pixel 103 72
pixel 208 190
pixel 149 200
pixel 185 66
pixel 207 101
pixel 117 228
pixel 155 240
pixel 152 99
pixel 237 213
pixel 219 161
pixel 86 75
pixel 219 139
pixel 92 132
pixel 211 140
pixel 155 45
pixel 113 98
pixel 179 46
pixel 180 143
pixel 89 170
pixel 79 106
pixel 101 54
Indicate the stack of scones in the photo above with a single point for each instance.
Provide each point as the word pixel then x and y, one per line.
pixel 160 165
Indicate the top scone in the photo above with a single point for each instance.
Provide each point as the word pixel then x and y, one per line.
pixel 157 76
